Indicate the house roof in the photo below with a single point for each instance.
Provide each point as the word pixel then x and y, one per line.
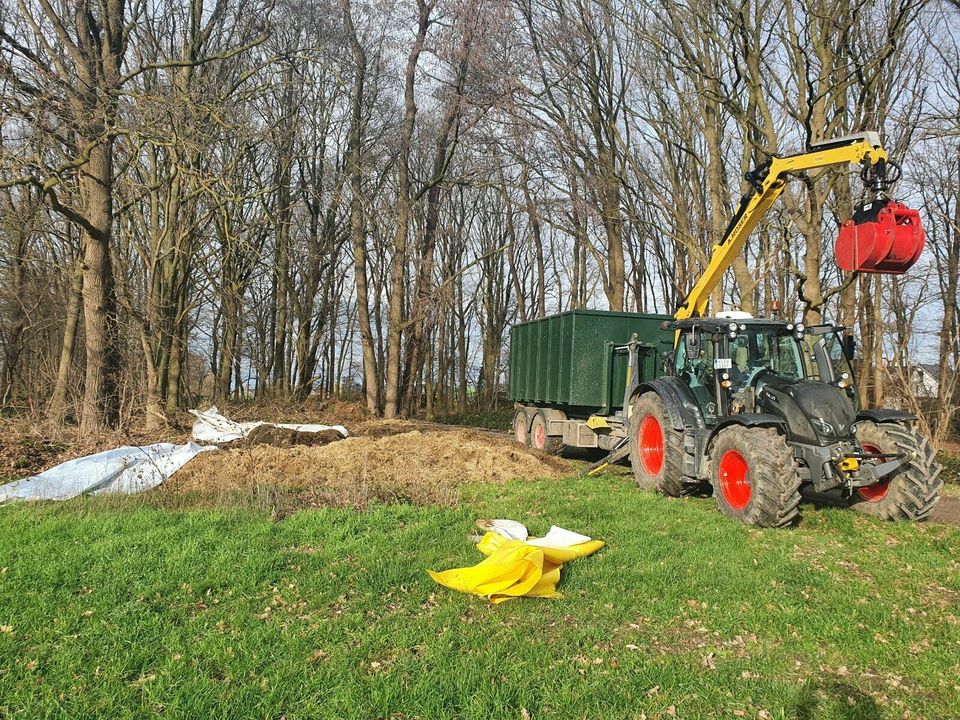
pixel 932 370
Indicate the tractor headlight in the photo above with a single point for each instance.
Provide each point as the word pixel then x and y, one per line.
pixel 800 327
pixel 789 326
pixel 732 334
pixel 733 327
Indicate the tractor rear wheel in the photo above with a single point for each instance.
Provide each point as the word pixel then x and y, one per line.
pixel 755 476
pixel 540 440
pixel 656 449
pixel 520 433
pixel 912 491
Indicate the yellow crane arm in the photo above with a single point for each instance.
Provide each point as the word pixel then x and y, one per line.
pixel 768 183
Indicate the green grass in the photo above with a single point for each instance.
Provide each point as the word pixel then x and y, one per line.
pixel 121 610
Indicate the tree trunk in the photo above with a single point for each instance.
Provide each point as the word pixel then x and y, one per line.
pixel 397 293
pixel 358 239
pixel 101 400
pixel 57 410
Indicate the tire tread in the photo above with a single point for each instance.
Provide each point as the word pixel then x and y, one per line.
pixel 774 473
pixel 914 491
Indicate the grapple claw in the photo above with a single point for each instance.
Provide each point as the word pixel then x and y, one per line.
pixel 884 236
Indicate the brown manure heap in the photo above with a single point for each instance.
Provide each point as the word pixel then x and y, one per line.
pixel 388 462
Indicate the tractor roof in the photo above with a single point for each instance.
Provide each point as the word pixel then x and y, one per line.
pixel 716 324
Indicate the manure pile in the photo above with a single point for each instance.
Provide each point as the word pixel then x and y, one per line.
pixel 388 462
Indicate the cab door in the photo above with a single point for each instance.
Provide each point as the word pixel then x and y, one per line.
pixel 696 370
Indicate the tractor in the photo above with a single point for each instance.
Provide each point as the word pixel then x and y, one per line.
pixel 756 410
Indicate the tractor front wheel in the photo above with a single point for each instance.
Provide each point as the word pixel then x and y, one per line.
pixel 755 476
pixel 913 490
pixel 656 449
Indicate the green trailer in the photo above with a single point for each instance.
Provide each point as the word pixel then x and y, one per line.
pixel 570 374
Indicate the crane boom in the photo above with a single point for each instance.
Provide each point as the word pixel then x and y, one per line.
pixel 767 184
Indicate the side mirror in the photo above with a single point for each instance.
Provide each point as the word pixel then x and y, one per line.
pixel 849 347
pixel 691 343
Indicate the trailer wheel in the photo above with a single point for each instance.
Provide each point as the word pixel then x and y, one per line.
pixel 656 449
pixel 520 432
pixel 755 476
pixel 911 492
pixel 540 440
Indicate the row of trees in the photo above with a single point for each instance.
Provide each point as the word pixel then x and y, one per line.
pixel 278 198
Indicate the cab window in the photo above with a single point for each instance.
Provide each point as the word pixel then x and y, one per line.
pixel 698 374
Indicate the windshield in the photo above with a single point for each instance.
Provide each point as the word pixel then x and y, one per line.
pixel 825 356
pixel 834 347
pixel 765 348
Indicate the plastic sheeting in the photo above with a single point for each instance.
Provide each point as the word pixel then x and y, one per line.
pixel 130 469
pixel 126 470
pixel 212 427
pixel 510 529
pixel 517 568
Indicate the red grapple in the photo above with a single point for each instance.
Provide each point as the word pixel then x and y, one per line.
pixel 884 236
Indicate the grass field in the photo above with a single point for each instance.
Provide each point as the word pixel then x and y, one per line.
pixel 122 610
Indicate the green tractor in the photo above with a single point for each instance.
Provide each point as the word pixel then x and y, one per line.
pixel 762 409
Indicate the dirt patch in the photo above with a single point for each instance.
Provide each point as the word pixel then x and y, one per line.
pixel 283 437
pixel 405 466
pixel 28 447
pixel 25 455
pixel 382 428
pixel 336 412
pixel 947 511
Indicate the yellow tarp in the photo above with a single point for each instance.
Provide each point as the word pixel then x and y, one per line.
pixel 514 569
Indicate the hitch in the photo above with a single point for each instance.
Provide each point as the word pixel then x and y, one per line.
pixel 860 474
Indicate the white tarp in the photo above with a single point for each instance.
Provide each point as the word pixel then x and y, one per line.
pixel 557 537
pixel 510 529
pixel 132 469
pixel 212 427
pixel 126 469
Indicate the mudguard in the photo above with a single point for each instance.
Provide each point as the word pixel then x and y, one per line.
pixel 749 420
pixel 681 409
pixel 551 415
pixel 883 415
pixel 555 419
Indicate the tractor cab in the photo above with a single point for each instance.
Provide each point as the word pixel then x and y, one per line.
pixel 735 364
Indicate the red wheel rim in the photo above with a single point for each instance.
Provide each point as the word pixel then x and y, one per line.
pixel 520 428
pixel 539 435
pixel 877 491
pixel 734 483
pixel 650 443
